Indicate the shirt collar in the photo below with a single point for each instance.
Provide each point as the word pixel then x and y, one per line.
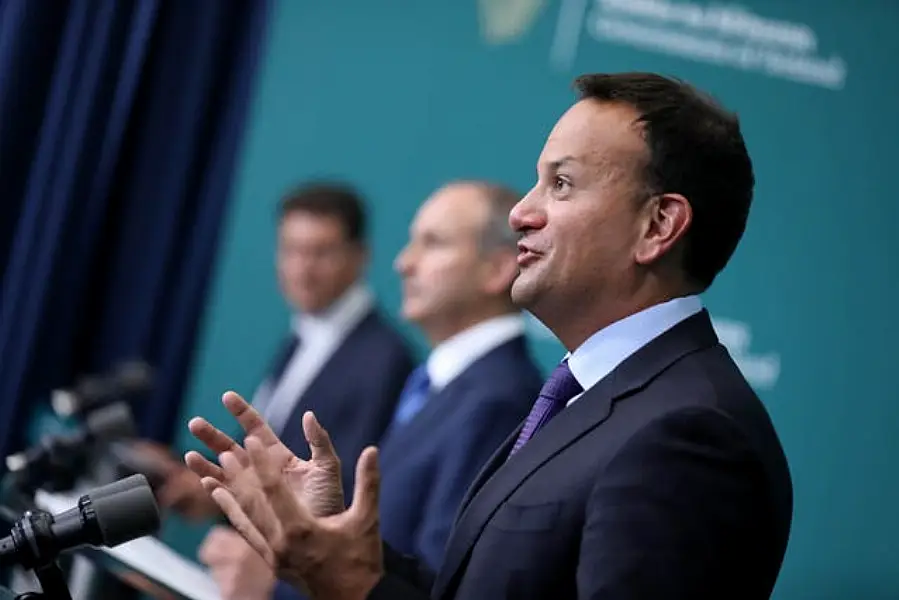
pixel 612 345
pixel 452 356
pixel 339 318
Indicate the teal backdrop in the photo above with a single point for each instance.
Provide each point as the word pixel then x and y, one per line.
pixel 399 97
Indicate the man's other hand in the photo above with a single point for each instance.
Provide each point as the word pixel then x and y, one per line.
pixel 237 569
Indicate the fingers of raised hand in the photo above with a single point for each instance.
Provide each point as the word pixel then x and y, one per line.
pixel 319 441
pixel 202 467
pixel 244 487
pixel 243 524
pixel 232 473
pixel 212 437
pixel 364 509
pixel 250 419
pixel 293 517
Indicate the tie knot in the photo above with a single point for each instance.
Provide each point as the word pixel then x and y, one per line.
pixel 555 393
pixel 561 385
pixel 414 395
pixel 419 382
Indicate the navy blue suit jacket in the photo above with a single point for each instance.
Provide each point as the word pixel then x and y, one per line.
pixel 428 463
pixel 664 480
pixel 354 397
pixel 354 394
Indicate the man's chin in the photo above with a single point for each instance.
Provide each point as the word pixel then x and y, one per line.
pixel 410 314
pixel 523 291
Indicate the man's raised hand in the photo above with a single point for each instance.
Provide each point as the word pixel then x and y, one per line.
pixel 315 482
pixel 338 557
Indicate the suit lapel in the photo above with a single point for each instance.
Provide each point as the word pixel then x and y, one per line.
pixel 503 475
pixel 428 419
pixel 490 467
pixel 332 373
pixel 442 403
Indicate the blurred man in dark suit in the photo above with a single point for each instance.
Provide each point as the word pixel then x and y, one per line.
pixel 648 467
pixel 474 388
pixel 479 379
pixel 341 359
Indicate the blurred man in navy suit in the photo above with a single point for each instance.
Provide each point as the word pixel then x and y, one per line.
pixel 479 379
pixel 340 359
pixel 455 409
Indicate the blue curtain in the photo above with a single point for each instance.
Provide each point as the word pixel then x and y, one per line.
pixel 120 123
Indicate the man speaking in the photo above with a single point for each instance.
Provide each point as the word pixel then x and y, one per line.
pixel 647 468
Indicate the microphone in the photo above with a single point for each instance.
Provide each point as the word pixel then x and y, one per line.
pixel 56 461
pixel 107 516
pixel 127 379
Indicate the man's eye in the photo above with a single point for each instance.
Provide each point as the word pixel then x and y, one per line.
pixel 560 184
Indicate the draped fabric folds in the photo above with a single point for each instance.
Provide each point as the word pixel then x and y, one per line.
pixel 120 125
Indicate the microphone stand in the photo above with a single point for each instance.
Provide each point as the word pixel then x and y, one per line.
pixel 53 584
pixel 35 529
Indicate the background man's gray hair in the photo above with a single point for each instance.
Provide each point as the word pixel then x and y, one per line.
pixel 497 233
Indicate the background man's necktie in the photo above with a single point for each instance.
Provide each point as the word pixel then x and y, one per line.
pixel 413 396
pixel 555 394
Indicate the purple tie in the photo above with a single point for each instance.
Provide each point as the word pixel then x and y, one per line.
pixel 555 394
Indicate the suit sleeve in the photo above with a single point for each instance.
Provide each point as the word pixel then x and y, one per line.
pixel 285 591
pixel 405 579
pixel 481 432
pixel 681 490
pixel 486 428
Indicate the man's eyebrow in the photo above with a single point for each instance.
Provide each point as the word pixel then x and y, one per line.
pixel 560 162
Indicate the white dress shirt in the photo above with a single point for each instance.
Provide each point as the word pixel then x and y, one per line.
pixel 611 346
pixel 320 335
pixel 452 356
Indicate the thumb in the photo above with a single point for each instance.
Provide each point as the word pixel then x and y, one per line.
pixel 320 446
pixel 367 491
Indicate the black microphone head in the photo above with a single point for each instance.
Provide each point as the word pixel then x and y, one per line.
pixel 111 422
pixel 125 514
pixel 124 484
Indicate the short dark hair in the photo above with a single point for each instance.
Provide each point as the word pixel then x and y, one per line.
pixel 695 149
pixel 329 199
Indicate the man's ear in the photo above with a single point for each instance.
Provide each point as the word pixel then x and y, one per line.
pixel 667 218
